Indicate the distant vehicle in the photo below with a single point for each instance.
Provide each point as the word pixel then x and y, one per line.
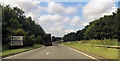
pixel 16 40
pixel 47 40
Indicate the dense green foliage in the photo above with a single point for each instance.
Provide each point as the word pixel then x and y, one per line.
pixel 14 22
pixel 107 27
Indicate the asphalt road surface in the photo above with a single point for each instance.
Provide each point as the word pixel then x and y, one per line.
pixel 50 52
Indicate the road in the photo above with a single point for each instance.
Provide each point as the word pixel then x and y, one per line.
pixel 50 52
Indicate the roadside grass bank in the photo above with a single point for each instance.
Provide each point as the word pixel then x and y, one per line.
pixel 111 42
pixel 15 51
pixel 104 52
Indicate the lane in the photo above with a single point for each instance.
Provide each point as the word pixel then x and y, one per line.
pixel 61 52
pixel 51 52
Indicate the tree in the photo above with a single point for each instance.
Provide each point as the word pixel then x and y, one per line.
pixel 14 22
pixel 19 32
pixel 39 40
pixel 106 27
pixel 30 40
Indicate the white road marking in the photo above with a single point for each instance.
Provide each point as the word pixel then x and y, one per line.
pixel 83 54
pixel 23 53
pixel 47 53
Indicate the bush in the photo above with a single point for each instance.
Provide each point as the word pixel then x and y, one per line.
pixel 29 40
pixel 6 46
pixel 39 40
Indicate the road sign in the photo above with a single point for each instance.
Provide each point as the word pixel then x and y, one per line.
pixel 16 40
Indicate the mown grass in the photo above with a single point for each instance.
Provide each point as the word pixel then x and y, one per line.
pixel 112 42
pixel 99 51
pixel 13 51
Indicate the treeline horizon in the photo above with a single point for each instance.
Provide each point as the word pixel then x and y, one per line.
pixel 15 23
pixel 107 27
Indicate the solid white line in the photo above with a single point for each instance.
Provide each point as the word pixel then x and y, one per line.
pixel 23 53
pixel 47 53
pixel 83 54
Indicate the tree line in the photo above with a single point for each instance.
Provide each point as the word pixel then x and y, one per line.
pixel 56 38
pixel 107 27
pixel 15 23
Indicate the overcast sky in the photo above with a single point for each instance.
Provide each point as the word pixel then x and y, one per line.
pixel 60 18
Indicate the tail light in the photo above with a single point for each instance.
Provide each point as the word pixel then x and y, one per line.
pixel 44 43
pixel 49 42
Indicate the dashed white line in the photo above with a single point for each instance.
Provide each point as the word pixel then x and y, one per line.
pixel 47 53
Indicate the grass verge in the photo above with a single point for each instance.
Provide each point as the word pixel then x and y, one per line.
pixel 14 51
pixel 111 42
pixel 98 51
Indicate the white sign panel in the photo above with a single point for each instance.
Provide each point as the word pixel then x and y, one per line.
pixel 16 40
